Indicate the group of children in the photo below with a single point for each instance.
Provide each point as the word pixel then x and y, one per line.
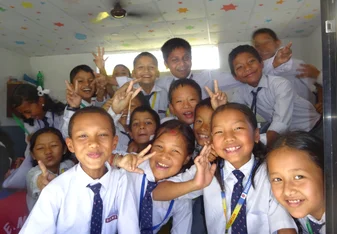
pixel 202 167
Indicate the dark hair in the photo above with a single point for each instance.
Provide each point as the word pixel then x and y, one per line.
pixel 304 141
pixel 185 130
pixel 268 31
pixel 53 131
pixel 79 68
pixel 145 54
pixel 183 82
pixel 204 103
pixel 173 44
pixel 239 50
pixel 147 109
pixel 259 149
pixel 90 110
pixel 122 65
pixel 29 93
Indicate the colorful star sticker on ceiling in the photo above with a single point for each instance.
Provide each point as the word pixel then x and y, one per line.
pixel 12 7
pixel 268 20
pixel 189 27
pixel 126 45
pixel 180 2
pixel 20 42
pixel 24 28
pixel 280 2
pixel 67 48
pixel 151 31
pixel 58 24
pixel 182 10
pixel 310 16
pixel 2 9
pixel 90 14
pixel 27 4
pixel 260 4
pixel 38 12
pixel 229 7
pixel 42 3
pixel 299 31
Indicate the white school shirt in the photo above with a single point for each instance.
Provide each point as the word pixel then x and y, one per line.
pixel 17 178
pixel 181 210
pixel 123 139
pixel 278 103
pixel 33 191
pixel 66 203
pixel 303 86
pixel 264 213
pixel 303 222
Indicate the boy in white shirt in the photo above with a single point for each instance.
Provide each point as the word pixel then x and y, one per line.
pixel 91 195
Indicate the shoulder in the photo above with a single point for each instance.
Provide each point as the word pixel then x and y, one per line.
pixel 277 82
pixel 63 181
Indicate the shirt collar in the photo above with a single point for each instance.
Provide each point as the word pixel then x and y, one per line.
pixel 263 83
pixel 145 166
pixel 245 169
pixel 322 221
pixel 154 89
pixel 85 103
pixel 188 77
pixel 84 179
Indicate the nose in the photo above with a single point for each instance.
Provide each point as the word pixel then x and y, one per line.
pixel 205 126
pixel 47 150
pixel 93 142
pixel 141 125
pixel 229 137
pixel 289 188
pixel 187 104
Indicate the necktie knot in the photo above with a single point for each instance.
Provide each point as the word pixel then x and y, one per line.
pixel 315 227
pixel 148 97
pixel 95 188
pixel 239 175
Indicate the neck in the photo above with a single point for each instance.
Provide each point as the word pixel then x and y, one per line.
pixel 238 165
pixel 95 173
pixel 54 169
pixel 319 213
pixel 147 87
pixel 88 100
pixel 142 146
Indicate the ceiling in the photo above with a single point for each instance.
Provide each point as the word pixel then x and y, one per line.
pixel 51 27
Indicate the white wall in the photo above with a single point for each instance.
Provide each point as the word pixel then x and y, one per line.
pixel 15 65
pixel 313 51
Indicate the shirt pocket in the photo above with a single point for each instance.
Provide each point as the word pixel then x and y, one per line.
pixel 257 222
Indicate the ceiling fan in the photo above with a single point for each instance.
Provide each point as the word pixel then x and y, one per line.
pixel 117 12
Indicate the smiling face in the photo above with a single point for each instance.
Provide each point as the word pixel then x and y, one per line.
pixel 297 182
pixel 184 100
pixel 31 109
pixel 179 62
pixel 121 71
pixel 92 141
pixel 247 69
pixel 266 45
pixel 85 87
pixel 202 125
pixel 49 149
pixel 143 126
pixel 146 69
pixel 233 137
pixel 171 155
pixel 134 104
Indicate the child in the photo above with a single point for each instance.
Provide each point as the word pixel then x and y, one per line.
pixel 173 146
pixel 144 122
pixel 184 95
pixel 267 44
pixel 37 110
pixel 49 149
pixel 271 97
pixel 235 138
pixel 91 197
pixel 296 172
pixel 121 70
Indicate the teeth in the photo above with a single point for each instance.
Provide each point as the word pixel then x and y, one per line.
pixel 163 165
pixel 231 149
pixel 294 201
pixel 188 113
pixel 87 89
pixel 203 136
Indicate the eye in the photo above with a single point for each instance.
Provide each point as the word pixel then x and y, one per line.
pixel 298 177
pixel 238 128
pixel 276 180
pixel 251 60
pixel 148 123
pixel 54 145
pixel 39 148
pixel 79 81
pixel 82 136
pixel 158 146
pixel 135 124
pixel 179 101
pixel 103 134
pixel 217 132
pixel 198 121
pixel 175 151
pixel 238 68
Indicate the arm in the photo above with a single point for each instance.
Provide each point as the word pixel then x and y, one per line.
pixel 168 190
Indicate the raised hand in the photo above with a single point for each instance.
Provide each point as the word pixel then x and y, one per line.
pixel 100 82
pixel 99 58
pixel 45 177
pixel 205 171
pixel 130 162
pixel 283 55
pixel 308 70
pixel 218 97
pixel 73 99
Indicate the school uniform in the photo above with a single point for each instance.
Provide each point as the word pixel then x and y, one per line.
pixel 278 104
pixel 181 211
pixel 66 204
pixel 123 136
pixel 320 224
pixel 33 192
pixel 263 213
pixel 304 87
pixel 17 178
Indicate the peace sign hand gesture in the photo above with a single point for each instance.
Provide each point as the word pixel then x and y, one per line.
pixel 45 177
pixel 218 97
pixel 73 99
pixel 283 55
pixel 99 58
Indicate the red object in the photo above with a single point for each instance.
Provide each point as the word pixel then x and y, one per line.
pixel 13 212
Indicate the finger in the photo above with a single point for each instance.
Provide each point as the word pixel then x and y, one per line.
pixel 103 51
pixel 76 86
pixel 136 92
pixel 146 157
pixel 50 177
pixel 138 170
pixel 94 54
pixel 289 45
pixel 216 86
pixel 213 169
pixel 99 51
pixel 209 91
pixel 129 88
pixel 69 86
pixel 144 151
pixel 43 168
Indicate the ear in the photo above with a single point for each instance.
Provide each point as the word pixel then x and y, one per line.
pixel 114 142
pixel 187 159
pixel 171 109
pixel 166 65
pixel 70 144
pixel 257 135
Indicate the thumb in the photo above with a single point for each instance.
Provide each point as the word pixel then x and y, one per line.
pixel 213 169
pixel 43 169
pixel 289 45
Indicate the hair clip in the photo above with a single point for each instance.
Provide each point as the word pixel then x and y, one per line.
pixel 41 91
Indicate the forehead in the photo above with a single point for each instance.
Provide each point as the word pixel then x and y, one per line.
pixel 184 90
pixel 142 115
pixel 25 106
pixel 262 36
pixel 243 56
pixel 229 116
pixel 204 111
pixel 179 51
pixel 89 120
pixel 83 75
pixel 145 59
pixel 47 137
pixel 171 136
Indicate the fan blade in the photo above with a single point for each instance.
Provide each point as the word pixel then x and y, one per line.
pixel 101 16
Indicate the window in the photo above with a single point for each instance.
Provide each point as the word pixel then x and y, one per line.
pixel 199 59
